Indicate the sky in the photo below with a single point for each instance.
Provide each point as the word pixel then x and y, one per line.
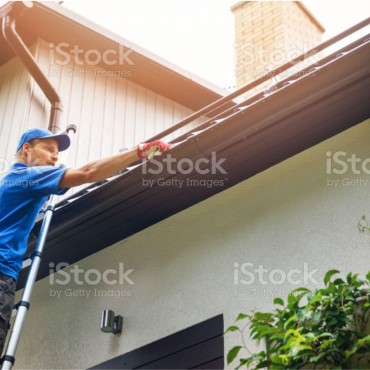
pixel 198 35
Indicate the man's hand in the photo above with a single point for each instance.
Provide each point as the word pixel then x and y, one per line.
pixel 154 148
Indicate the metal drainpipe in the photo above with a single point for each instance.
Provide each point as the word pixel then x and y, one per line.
pixel 21 50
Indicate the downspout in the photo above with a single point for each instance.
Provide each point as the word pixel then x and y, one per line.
pixel 21 50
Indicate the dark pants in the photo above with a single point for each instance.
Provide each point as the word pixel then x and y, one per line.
pixel 7 292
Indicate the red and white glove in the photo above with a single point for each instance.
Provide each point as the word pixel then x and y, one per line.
pixel 154 148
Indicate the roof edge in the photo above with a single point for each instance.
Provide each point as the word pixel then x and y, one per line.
pixel 102 31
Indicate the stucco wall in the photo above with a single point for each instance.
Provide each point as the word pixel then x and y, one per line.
pixel 283 219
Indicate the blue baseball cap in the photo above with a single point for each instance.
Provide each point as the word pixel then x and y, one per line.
pixel 39 133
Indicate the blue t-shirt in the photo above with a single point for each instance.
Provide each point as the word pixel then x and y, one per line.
pixel 23 191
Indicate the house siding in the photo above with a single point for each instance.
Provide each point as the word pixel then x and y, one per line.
pixel 111 113
pixel 187 268
pixel 14 87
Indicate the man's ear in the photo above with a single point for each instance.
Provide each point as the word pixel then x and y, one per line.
pixel 26 147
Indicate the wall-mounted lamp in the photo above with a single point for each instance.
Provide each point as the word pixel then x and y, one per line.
pixel 111 323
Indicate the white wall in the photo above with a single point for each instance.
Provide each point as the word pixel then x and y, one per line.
pixel 183 274
pixel 14 108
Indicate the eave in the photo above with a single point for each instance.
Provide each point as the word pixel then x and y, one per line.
pixel 55 24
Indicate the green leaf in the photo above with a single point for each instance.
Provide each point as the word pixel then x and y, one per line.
pixel 291 299
pixel 325 335
pixel 231 329
pixel 328 276
pixel 368 276
pixel 244 361
pixel 242 316
pixel 263 316
pixel 279 301
pixel 300 290
pixel 364 341
pixel 263 364
pixel 232 354
pixel 339 281
pixel 304 347
pixel 332 321
pixel 268 331
pixel 276 359
pixel 291 332
pixel 291 320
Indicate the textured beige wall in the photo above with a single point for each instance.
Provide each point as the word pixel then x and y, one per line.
pixel 282 219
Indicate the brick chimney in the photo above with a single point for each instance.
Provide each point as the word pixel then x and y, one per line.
pixel 269 34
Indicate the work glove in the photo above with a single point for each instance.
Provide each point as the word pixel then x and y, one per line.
pixel 154 148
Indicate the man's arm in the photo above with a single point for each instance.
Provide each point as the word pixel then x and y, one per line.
pixel 98 170
pixel 101 169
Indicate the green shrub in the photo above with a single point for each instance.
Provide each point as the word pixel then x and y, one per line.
pixel 325 329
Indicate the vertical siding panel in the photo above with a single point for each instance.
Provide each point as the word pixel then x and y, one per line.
pixel 96 130
pixel 150 107
pixel 83 140
pixel 130 114
pixel 108 118
pixel 169 117
pixel 65 90
pixel 73 111
pixel 119 139
pixel 13 97
pixel 159 113
pixel 178 113
pixel 7 85
pixel 140 119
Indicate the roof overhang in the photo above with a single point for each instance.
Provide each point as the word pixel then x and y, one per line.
pixel 330 99
pixel 61 27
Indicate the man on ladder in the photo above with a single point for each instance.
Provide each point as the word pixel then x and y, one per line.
pixel 26 187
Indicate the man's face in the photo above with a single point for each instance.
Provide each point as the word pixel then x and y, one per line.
pixel 41 152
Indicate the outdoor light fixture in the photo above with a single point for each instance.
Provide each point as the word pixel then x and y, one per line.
pixel 111 323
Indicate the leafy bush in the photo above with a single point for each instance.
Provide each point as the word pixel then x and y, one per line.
pixel 321 329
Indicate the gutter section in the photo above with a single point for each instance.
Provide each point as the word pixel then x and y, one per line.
pixel 21 50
